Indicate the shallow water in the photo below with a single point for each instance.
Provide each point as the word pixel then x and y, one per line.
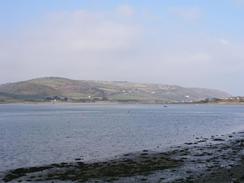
pixel 43 134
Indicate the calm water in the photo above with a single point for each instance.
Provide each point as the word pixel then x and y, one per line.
pixel 42 134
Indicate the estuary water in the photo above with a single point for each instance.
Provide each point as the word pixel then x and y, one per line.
pixel 39 134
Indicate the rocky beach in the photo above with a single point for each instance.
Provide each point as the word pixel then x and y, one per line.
pixel 215 159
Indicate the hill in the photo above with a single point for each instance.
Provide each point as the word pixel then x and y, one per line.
pixel 55 88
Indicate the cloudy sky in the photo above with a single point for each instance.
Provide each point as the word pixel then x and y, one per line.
pixel 184 42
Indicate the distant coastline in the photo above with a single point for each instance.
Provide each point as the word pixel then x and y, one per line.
pixel 229 100
pixel 56 89
pixel 219 102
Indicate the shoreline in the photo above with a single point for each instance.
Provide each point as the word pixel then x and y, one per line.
pixel 119 103
pixel 217 159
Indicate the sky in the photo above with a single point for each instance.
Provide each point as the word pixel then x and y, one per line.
pixel 182 42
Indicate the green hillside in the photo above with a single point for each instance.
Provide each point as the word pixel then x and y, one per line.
pixel 50 88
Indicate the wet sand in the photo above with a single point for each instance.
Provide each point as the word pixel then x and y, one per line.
pixel 217 159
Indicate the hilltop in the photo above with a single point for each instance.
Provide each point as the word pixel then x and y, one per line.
pixel 56 88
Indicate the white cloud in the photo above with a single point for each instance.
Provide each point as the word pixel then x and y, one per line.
pixel 83 31
pixel 73 44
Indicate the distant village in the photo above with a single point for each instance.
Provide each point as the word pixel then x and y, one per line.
pixel 90 99
pixel 230 100
pixel 66 99
pixel 56 98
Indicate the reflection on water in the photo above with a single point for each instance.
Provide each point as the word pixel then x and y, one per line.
pixel 42 134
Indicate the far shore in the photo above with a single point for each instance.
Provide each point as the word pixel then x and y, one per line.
pixel 119 102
